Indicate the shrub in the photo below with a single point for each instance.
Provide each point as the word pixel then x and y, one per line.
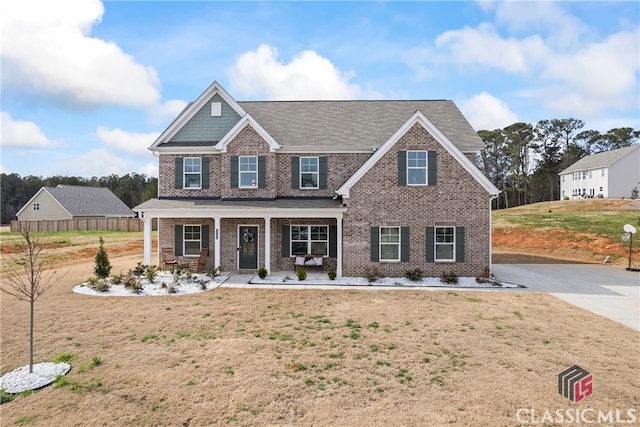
pixel 133 284
pixel 301 273
pixel 91 281
pixel 451 278
pixel 101 285
pixel 372 274
pixel 213 272
pixel 332 274
pixel 117 279
pixel 415 275
pixel 139 269
pixel 150 272
pixel 634 193
pixel 102 268
pixel 262 273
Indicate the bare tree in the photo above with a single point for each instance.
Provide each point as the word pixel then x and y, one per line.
pixel 27 276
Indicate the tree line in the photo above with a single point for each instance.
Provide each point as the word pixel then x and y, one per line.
pixel 524 160
pixel 132 189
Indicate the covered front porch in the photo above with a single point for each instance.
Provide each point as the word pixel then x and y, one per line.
pixel 244 235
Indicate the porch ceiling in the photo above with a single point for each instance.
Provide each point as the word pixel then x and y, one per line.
pixel 273 208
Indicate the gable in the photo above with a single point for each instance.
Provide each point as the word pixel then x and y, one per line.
pixel 203 126
pixel 419 119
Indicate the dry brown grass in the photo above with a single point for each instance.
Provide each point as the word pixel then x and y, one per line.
pixel 293 357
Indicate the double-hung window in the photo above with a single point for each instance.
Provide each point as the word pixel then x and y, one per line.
pixel 192 239
pixel 389 243
pixel 416 168
pixel 310 239
pixel 248 169
pixel 192 172
pixel 445 242
pixel 309 169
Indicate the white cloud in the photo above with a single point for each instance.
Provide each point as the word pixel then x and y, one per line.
pixel 561 28
pixel 128 142
pixel 47 50
pixel 96 162
pixel 486 112
pixel 166 110
pixel 4 169
pixel 599 76
pixel 21 133
pixel 307 76
pixel 485 47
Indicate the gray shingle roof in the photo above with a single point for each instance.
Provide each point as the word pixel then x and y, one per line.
pixel 599 160
pixel 355 124
pixel 208 204
pixel 89 201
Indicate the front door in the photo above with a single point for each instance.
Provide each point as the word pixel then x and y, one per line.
pixel 248 247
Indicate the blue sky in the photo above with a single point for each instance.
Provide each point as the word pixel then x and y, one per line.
pixel 87 85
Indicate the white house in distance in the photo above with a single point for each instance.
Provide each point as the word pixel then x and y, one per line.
pixel 612 173
pixel 73 202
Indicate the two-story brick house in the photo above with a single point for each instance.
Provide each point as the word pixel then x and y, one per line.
pixel 388 185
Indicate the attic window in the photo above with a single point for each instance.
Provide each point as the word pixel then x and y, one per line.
pixel 36 206
pixel 216 109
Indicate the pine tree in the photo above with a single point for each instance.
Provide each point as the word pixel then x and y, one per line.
pixel 103 266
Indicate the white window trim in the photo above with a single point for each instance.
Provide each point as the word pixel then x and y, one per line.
pixel 36 206
pixel 425 168
pixel 317 172
pixel 184 239
pixel 436 244
pixel 184 173
pixel 309 240
pixel 380 243
pixel 240 172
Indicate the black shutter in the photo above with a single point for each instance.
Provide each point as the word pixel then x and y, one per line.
pixel 179 171
pixel 262 171
pixel 205 172
pixel 322 175
pixel 234 172
pixel 284 250
pixel 432 167
pixel 333 241
pixel 204 238
pixel 459 244
pixel 178 240
pixel 295 172
pixel 405 247
pixel 402 168
pixel 375 244
pixel 430 245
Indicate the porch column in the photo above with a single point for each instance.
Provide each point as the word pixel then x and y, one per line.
pixel 339 246
pixel 216 242
pixel 267 243
pixel 147 239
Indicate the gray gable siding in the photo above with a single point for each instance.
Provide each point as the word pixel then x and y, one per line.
pixel 203 127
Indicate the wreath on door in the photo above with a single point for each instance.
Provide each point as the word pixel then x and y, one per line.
pixel 247 236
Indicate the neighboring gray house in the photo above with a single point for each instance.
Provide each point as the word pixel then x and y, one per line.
pixel 72 202
pixel 361 186
pixel 612 173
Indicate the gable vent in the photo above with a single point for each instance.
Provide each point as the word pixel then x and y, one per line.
pixel 216 109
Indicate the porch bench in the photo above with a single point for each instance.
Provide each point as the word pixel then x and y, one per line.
pixel 307 260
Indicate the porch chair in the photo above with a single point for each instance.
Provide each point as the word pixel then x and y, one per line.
pixel 168 258
pixel 198 265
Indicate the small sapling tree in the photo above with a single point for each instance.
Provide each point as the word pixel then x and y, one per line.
pixel 102 268
pixel 27 276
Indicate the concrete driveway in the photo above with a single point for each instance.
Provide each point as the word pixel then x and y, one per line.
pixel 609 291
